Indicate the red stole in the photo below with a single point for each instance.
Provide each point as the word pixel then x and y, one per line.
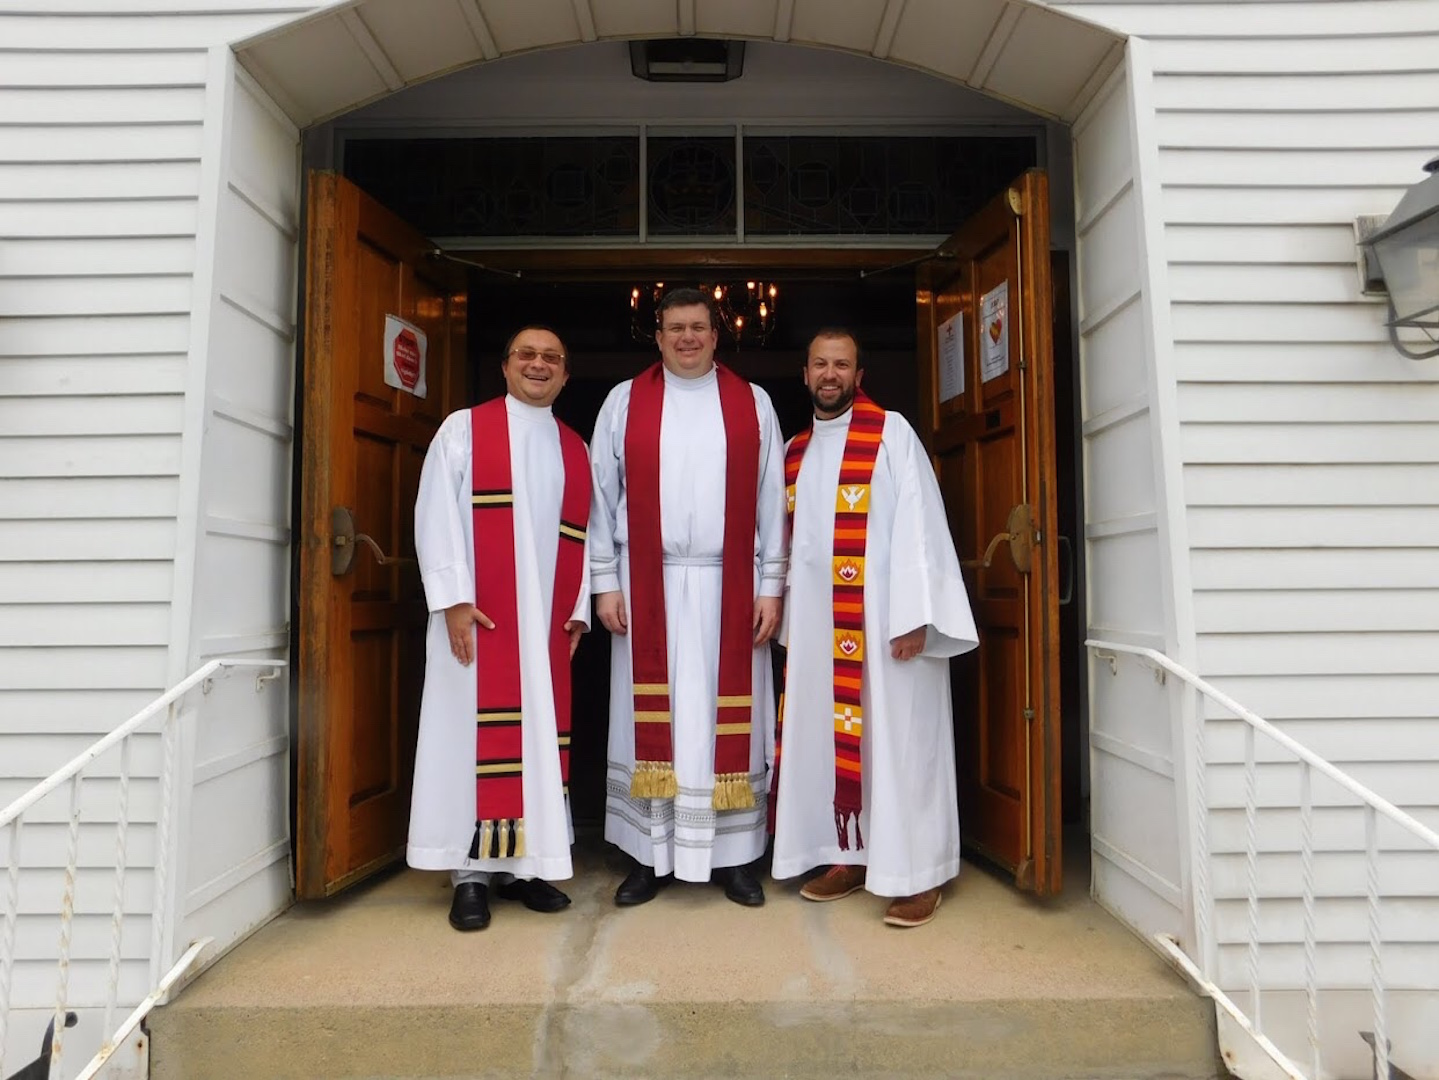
pixel 851 528
pixel 499 756
pixel 654 776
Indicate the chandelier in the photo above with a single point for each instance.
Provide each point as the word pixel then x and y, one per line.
pixel 746 310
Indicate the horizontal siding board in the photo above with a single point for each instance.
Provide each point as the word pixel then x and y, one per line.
pixel 1266 167
pixel 1275 611
pixel 1298 56
pixel 1263 484
pixel 155 414
pixel 1305 131
pixel 1293 92
pixel 1384 740
pixel 1345 696
pixel 114 70
pixel 97 296
pixel 1218 283
pixel 63 106
pixel 107 33
pixel 1278 205
pixel 1295 402
pixel 109 668
pixel 108 181
pixel 1324 653
pixel 1317 361
pixel 90 375
pixel 1323 243
pixel 88 540
pixel 98 142
pixel 93 498
pixel 131 256
pixel 132 217
pixel 1264 323
pixel 1312 526
pixel 1337 920
pixel 1310 444
pixel 86 583
pixel 115 335
pixel 120 455
pixel 84 624
pixel 1278 787
pixel 1316 568
pixel 72 711
pixel 1349 19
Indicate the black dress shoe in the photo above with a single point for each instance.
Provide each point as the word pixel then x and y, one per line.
pixel 470 909
pixel 739 885
pixel 535 894
pixel 639 888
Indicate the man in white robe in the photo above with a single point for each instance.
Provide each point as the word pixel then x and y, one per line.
pixel 443 809
pixel 916 615
pixel 685 836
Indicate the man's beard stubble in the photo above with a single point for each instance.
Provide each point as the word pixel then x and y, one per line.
pixel 841 404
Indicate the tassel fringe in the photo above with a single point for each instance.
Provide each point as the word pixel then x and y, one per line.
pixel 501 838
pixel 654 780
pixel 733 792
pixel 842 819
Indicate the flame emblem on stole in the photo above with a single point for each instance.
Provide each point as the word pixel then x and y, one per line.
pixel 847 571
pixel 848 644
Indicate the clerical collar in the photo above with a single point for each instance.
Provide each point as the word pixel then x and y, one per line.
pixel 523 410
pixel 679 382
pixel 838 424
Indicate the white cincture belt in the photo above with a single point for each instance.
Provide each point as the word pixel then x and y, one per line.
pixel 694 560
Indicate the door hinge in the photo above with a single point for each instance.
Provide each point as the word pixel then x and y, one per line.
pixel 1029 715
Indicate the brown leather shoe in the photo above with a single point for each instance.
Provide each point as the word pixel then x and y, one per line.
pixel 913 910
pixel 834 884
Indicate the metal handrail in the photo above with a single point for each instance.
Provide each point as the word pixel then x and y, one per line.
pixel 12 818
pixel 1309 762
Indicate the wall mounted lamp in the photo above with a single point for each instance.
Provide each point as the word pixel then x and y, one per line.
pixel 1400 256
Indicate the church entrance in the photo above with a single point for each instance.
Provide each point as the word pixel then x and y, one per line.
pixel 970 342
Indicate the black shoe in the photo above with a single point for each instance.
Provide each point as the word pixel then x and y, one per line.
pixel 739 885
pixel 639 888
pixel 535 894
pixel 470 909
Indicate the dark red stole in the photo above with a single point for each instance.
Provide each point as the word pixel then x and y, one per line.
pixel 851 527
pixel 499 757
pixel 654 775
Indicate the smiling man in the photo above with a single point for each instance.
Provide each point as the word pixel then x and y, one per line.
pixel 500 534
pixel 864 767
pixel 688 564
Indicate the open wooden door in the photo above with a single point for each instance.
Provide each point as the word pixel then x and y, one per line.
pixel 987 410
pixel 361 620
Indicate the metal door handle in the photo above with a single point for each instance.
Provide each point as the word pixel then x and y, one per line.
pixel 1022 537
pixel 342 553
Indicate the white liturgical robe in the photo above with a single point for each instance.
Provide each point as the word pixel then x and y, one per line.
pixel 685 835
pixel 442 811
pixel 910 816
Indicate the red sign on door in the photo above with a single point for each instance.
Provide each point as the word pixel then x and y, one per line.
pixel 404 356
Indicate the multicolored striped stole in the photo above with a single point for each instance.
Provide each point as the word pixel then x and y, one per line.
pixel 851 525
pixel 654 775
pixel 499 739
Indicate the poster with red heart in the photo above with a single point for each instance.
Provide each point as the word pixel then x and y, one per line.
pixel 405 347
pixel 994 332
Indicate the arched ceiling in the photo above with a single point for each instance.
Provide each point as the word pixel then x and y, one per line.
pixel 345 55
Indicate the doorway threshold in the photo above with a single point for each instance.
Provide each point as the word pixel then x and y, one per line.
pixel 375 983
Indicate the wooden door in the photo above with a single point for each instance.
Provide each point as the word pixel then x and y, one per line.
pixel 993 447
pixel 361 620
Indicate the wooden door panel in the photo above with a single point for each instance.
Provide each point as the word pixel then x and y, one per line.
pixel 994 450
pixel 362 631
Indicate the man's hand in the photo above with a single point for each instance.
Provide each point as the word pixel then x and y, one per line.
pixel 574 628
pixel 460 622
pixel 766 618
pixel 907 646
pixel 610 607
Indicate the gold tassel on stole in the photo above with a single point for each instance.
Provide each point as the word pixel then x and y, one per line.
pixel 732 792
pixel 654 780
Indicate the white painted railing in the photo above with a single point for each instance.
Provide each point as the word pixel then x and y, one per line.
pixel 72 775
pixel 1204 971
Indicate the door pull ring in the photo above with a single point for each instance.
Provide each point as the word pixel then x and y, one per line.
pixel 342 551
pixel 1022 537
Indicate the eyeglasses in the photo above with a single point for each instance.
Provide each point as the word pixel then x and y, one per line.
pixel 526 354
pixel 676 329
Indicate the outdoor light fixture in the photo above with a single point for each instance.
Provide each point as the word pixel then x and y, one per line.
pixel 687 60
pixel 1406 248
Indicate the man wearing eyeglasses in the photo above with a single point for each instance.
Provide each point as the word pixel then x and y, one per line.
pixel 687 560
pixel 500 532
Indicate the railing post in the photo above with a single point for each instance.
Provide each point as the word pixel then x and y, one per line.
pixel 159 906
pixel 7 935
pixel 1251 855
pixel 1376 959
pixel 1199 786
pixel 117 918
pixel 1306 855
pixel 67 922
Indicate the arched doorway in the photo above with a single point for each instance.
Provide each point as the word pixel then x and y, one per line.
pixel 324 65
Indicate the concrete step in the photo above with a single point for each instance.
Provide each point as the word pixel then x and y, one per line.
pixel 376 984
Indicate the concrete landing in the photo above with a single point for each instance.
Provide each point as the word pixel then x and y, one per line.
pixel 376 984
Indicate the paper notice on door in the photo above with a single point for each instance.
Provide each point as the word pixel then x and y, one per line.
pixel 404 356
pixel 994 332
pixel 951 357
